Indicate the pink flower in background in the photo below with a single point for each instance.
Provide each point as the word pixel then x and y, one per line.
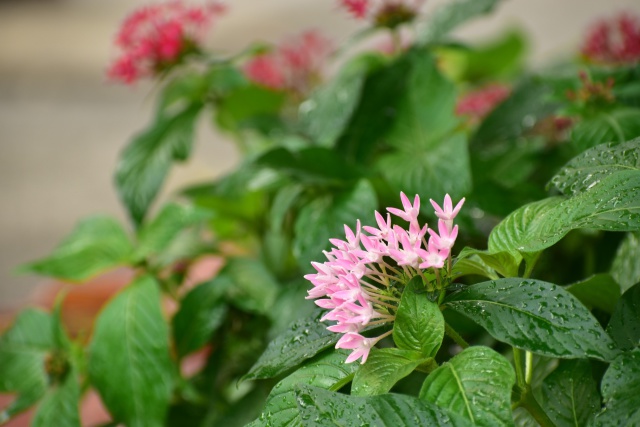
pixel 357 8
pixel 155 37
pixel 294 65
pixel 480 102
pixel 614 41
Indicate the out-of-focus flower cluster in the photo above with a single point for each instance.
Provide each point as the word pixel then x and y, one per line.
pixel 480 102
pixel 614 41
pixel 592 92
pixel 362 280
pixel 294 65
pixel 156 37
pixel 383 13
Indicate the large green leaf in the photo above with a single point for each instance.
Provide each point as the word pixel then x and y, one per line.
pixel 325 217
pixel 327 371
pixel 155 236
pixel 419 325
pixel 95 245
pixel 60 405
pixel 620 389
pixel 503 262
pixel 129 361
pixel 615 126
pixel 599 291
pixel 145 162
pixel 383 369
pixel 304 339
pixel 321 408
pixel 534 316
pixel 23 351
pixel 570 394
pixel 253 288
pixel 625 267
pixel 588 168
pixel 624 325
pixel 476 385
pixel 449 16
pixel 326 114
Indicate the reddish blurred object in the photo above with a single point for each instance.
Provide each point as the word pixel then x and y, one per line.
pixel 480 102
pixel 614 41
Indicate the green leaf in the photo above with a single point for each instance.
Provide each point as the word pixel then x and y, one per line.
pixel 615 126
pixel 505 263
pixel 473 265
pixel 624 325
pixel 326 114
pixel 327 371
pixel 253 288
pixel 498 59
pixel 599 291
pixel 304 339
pixel 383 369
pixel 156 236
pixel 587 169
pixel 449 16
pixel 419 325
pixel 570 394
pixel 136 381
pixel 283 201
pixel 620 389
pixel 95 245
pixel 23 351
pixel 535 316
pixel 201 312
pixel 145 162
pixel 476 385
pixel 325 217
pixel 60 405
pixel 625 267
pixel 320 408
pixel 249 106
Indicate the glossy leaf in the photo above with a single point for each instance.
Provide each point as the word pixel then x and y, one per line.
pixel 325 217
pixel 318 407
pixel 534 316
pixel 599 291
pixel 60 405
pixel 449 16
pixel 505 263
pixel 624 326
pixel 615 126
pixel 620 390
pixel 95 245
pixel 570 394
pixel 383 369
pixel 136 381
pixel 304 339
pixel 419 325
pixel 473 265
pixel 327 371
pixel 587 169
pixel 476 385
pixel 625 267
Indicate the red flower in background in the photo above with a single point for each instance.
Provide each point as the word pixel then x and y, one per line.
pixel 384 13
pixel 294 65
pixel 478 103
pixel 156 37
pixel 357 8
pixel 614 41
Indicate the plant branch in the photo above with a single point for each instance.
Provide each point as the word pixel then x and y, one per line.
pixel 455 336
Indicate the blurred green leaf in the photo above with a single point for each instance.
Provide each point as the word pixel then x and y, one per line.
pixel 498 59
pixel 249 106
pixel 620 389
pixel 503 262
pixel 449 16
pixel 599 291
pixel 625 267
pixel 254 289
pixel 616 127
pixel 383 369
pixel 624 325
pixel 60 405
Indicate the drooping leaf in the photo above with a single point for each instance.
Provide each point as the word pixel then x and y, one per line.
pixel 325 217
pixel 60 406
pixel 473 265
pixel 449 16
pixel 383 369
pixel 253 288
pixel 588 168
pixel 155 236
pixel 599 291
pixel 625 267
pixel 304 339
pixel 535 316
pixel 419 325
pixel 476 385
pixel 624 326
pixel 617 126
pixel 570 394
pixel 320 408
pixel 620 390
pixel 503 262
pixel 23 351
pixel 136 381
pixel 95 245
pixel 327 371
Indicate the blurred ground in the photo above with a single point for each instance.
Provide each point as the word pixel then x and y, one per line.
pixel 62 125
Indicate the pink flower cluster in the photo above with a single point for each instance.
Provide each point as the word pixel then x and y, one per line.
pixel 294 65
pixel 360 281
pixel 384 13
pixel 155 37
pixel 478 103
pixel 614 41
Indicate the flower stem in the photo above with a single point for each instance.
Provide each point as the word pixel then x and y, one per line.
pixel 520 376
pixel 455 336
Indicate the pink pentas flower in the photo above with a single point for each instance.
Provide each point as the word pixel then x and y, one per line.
pixel 357 8
pixel 480 102
pixel 360 345
pixel 155 38
pixel 447 212
pixel 446 238
pixel 410 212
pixel 614 41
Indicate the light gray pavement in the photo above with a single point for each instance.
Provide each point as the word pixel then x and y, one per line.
pixel 62 126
